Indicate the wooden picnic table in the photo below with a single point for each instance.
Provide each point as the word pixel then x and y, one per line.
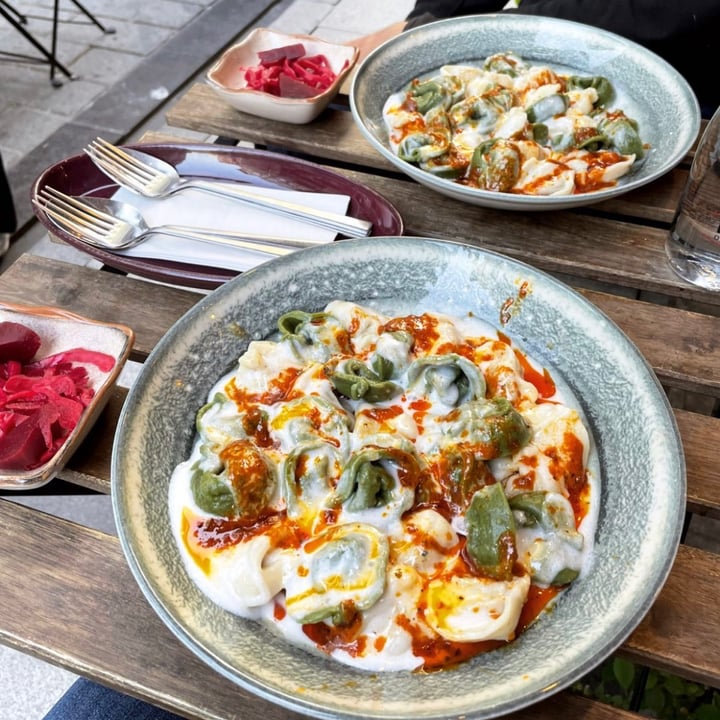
pixel 68 594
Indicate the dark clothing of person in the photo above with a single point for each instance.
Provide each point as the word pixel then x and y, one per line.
pixel 86 700
pixel 685 33
pixel 8 220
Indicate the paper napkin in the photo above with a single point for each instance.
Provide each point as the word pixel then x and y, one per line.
pixel 201 209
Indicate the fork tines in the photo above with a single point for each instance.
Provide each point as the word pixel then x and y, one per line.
pixel 116 162
pixel 73 214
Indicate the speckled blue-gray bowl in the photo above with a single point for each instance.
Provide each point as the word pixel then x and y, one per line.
pixel 639 450
pixel 647 88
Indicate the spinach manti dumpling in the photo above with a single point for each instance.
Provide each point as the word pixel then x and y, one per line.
pixel 428 142
pixel 496 165
pixel 218 423
pixel 493 428
pixel 312 417
pixel 490 528
pixel 623 136
pixel 355 380
pixel 505 63
pixel 378 476
pixel 481 113
pixel 309 474
pixel 450 379
pixel 244 488
pixel 485 605
pixel 436 93
pixel 547 107
pixel 341 571
pixel 602 86
pixel 312 335
pixel 547 536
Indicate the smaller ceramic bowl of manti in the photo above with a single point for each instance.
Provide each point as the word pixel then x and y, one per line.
pixel 475 108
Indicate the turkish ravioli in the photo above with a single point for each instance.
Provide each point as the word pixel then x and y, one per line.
pixel 506 125
pixel 399 493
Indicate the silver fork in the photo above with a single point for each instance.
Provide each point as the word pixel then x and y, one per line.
pixel 114 225
pixel 150 176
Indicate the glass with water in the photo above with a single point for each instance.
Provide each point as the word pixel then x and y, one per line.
pixel 693 245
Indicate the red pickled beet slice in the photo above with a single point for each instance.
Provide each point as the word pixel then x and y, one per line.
pixel 26 442
pixel 295 50
pixel 289 73
pixel 291 88
pixel 41 401
pixel 101 360
pixel 17 342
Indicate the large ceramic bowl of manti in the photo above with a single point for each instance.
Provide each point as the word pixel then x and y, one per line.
pixel 398 478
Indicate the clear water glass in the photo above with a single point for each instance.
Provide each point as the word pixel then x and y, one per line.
pixel 693 244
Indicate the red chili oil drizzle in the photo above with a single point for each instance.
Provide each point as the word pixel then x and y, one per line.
pixel 255 425
pixel 537 600
pixel 438 653
pixel 347 637
pixel 466 350
pixel 543 382
pixel 249 474
pixel 594 178
pixel 278 390
pixel 220 533
pixel 423 329
pixel 573 473
pixel 420 408
pixel 381 416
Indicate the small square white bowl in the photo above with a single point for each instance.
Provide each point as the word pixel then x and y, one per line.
pixel 59 331
pixel 227 76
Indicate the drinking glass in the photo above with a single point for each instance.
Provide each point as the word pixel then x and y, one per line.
pixel 693 244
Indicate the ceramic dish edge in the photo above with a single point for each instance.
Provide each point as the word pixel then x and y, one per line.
pixel 639 527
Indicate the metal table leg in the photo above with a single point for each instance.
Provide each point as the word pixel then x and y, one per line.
pixel 17 21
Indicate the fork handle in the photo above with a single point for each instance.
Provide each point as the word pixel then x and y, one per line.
pixel 259 243
pixel 341 224
pixel 213 235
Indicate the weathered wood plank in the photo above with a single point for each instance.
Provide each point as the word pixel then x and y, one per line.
pixel 681 632
pixel 137 654
pixel 583 243
pixel 622 254
pixel 682 346
pixel 702 458
pixel 148 308
pixel 89 465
